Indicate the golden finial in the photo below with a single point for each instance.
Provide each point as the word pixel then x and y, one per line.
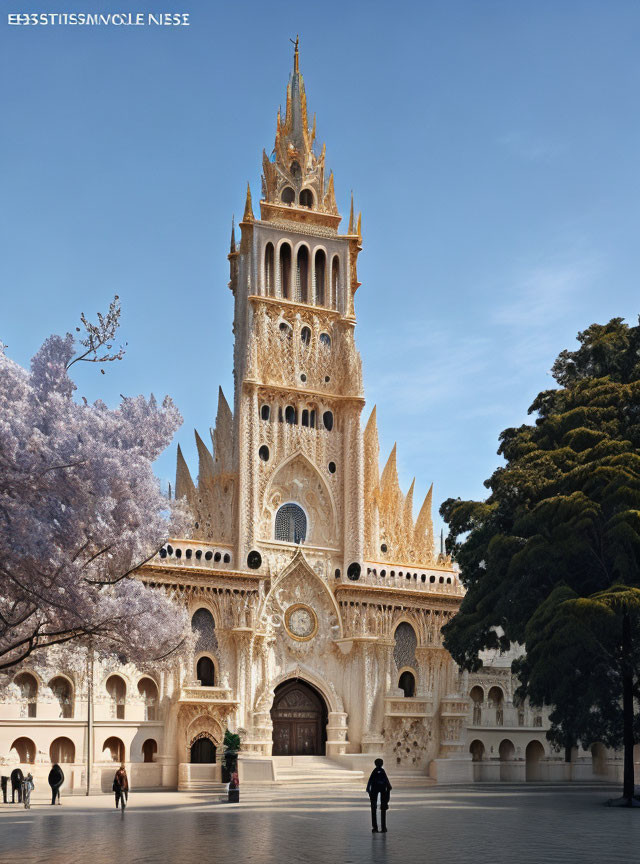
pixel 248 208
pixel 296 58
pixel 359 227
pixel 351 227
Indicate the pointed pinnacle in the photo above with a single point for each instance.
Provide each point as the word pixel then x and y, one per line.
pixel 248 208
pixel 351 224
pixel 359 228
pixel 232 247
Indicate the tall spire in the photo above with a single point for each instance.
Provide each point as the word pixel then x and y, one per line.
pixel 296 56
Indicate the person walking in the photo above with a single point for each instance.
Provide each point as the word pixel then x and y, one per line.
pixel 27 788
pixel 56 779
pixel 379 785
pixel 121 787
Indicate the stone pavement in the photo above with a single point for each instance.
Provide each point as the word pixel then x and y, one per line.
pixel 488 824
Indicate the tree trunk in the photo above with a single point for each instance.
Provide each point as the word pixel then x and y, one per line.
pixel 627 707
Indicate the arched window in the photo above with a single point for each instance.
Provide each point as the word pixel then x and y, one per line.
pixel 476 749
pixel 404 652
pixel 206 672
pixel 28 692
pixel 117 690
pixel 305 336
pixel 63 692
pixel 302 275
pixel 113 750
pixel 149 750
pixel 319 276
pixel 62 750
pixel 533 755
pixel 204 629
pixel 335 281
pixel 306 198
pixel 288 195
pixel 26 750
pixel 327 420
pixel 496 700
pixel 477 698
pixel 285 270
pixel 148 689
pixel 295 169
pixel 290 415
pixel 407 684
pixel 265 412
pixel 269 269
pixel 291 524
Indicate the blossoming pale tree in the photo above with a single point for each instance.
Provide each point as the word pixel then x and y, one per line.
pixel 80 508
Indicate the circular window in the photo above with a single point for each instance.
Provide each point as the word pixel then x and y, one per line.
pixel 163 553
pixel 327 378
pixel 301 622
pixel 263 453
pixel 227 558
pixel 254 560
pixel 217 556
pixel 353 571
pixel 303 377
pixel 208 555
pixel 332 467
pixel 384 547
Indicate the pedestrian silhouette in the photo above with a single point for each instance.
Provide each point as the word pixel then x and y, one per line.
pixel 121 787
pixel 56 779
pixel 379 785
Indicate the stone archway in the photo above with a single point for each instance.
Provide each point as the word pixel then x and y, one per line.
pixel 299 716
pixel 202 749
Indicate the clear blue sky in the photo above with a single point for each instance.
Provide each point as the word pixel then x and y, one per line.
pixel 492 147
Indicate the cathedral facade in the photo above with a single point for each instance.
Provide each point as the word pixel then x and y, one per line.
pixel 316 598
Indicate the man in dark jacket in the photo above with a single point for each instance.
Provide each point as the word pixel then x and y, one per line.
pixel 379 785
pixel 56 779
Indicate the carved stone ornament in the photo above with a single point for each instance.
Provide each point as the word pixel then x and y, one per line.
pixel 301 622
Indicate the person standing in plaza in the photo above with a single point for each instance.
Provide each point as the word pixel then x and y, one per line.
pixel 379 785
pixel 56 779
pixel 27 788
pixel 121 786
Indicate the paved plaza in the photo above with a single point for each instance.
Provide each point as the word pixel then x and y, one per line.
pixel 488 824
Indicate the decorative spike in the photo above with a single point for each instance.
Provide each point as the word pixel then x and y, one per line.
pixel 232 246
pixel 313 130
pixel 408 502
pixel 184 483
pixel 389 478
pixel 423 532
pixel 205 466
pixel 350 229
pixel 248 208
pixel 222 437
pixel 359 228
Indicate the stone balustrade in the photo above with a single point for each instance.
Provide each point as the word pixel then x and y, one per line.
pixel 430 580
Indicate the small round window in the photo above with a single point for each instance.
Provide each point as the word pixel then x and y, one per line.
pixel 263 453
pixel 332 467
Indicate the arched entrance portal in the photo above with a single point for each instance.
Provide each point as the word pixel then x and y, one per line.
pixel 299 716
pixel 203 750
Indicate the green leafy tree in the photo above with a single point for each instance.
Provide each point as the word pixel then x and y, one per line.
pixel 551 558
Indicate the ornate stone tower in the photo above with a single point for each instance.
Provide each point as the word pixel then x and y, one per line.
pixel 298 382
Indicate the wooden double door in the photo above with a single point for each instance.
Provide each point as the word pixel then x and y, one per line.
pixel 299 717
